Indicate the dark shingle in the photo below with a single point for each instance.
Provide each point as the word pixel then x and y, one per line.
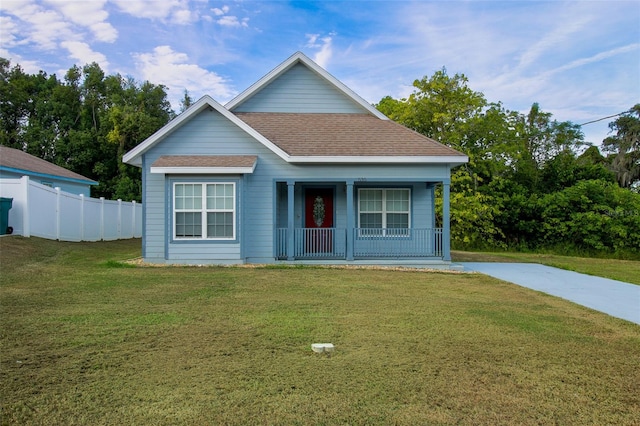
pixel 342 135
pixel 205 161
pixel 16 159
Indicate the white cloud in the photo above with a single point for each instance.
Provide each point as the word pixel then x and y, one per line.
pixel 325 53
pixel 51 28
pixel 172 69
pixel 233 21
pixel 28 66
pixel 552 39
pixel 39 26
pixel 89 14
pixel 595 58
pixel 104 32
pixel 311 39
pixel 175 11
pixel 220 12
pixel 84 54
pixel 12 6
pixel 9 32
pixel 184 17
pixel 229 21
pixel 150 9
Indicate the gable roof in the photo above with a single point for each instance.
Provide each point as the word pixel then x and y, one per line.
pixel 208 164
pixel 316 137
pixel 301 58
pixel 134 157
pixel 349 137
pixel 17 161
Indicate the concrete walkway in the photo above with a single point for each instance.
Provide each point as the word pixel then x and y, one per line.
pixel 616 298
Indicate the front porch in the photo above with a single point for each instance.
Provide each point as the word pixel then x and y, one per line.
pixel 367 243
pixel 385 222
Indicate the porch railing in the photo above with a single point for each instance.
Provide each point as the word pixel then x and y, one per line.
pixel 331 243
pixel 397 242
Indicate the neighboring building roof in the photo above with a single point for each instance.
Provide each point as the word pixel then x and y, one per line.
pixel 228 164
pixel 14 160
pixel 344 135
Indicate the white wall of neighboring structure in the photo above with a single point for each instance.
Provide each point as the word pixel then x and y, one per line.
pixel 41 211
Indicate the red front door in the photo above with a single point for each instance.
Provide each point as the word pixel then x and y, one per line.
pixel 318 220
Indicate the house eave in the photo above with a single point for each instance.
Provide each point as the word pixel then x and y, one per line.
pixel 453 160
pixel 203 170
pixel 48 176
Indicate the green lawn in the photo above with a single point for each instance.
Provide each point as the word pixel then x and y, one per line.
pixel 86 340
pixel 621 270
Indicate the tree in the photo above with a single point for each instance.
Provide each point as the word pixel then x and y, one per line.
pixel 15 103
pixel 541 140
pixel 84 123
pixel 525 185
pixel 624 148
pixel 135 114
pixel 472 214
pixel 441 107
pixel 186 101
pixel 594 216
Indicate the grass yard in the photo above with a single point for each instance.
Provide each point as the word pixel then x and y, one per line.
pixel 86 340
pixel 621 270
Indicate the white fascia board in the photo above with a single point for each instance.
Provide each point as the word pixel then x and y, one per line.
pixel 134 157
pixel 203 170
pixel 286 65
pixel 446 159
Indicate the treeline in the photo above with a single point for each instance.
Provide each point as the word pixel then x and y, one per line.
pixel 532 183
pixel 84 122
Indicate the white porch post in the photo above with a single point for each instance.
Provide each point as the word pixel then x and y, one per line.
pixel 446 228
pixel 351 220
pixel 290 222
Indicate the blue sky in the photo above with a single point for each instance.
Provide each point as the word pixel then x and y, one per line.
pixel 580 60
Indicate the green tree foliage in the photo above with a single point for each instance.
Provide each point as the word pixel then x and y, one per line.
pixel 592 215
pixel 85 122
pixel 526 184
pixel 624 148
pixel 186 101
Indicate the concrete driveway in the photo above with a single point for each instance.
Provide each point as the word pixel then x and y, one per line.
pixel 616 298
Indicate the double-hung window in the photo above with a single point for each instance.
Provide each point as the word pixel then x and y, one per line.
pixel 384 211
pixel 204 211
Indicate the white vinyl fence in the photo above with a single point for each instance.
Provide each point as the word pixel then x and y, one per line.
pixel 41 211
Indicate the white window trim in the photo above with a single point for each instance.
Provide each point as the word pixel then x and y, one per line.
pixel 384 212
pixel 203 210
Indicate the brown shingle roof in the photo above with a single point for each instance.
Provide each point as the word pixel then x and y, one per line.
pixel 205 161
pixel 16 159
pixel 342 135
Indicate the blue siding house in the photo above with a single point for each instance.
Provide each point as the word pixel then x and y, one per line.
pixel 296 169
pixel 15 163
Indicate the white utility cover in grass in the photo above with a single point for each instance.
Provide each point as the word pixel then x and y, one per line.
pixel 322 347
